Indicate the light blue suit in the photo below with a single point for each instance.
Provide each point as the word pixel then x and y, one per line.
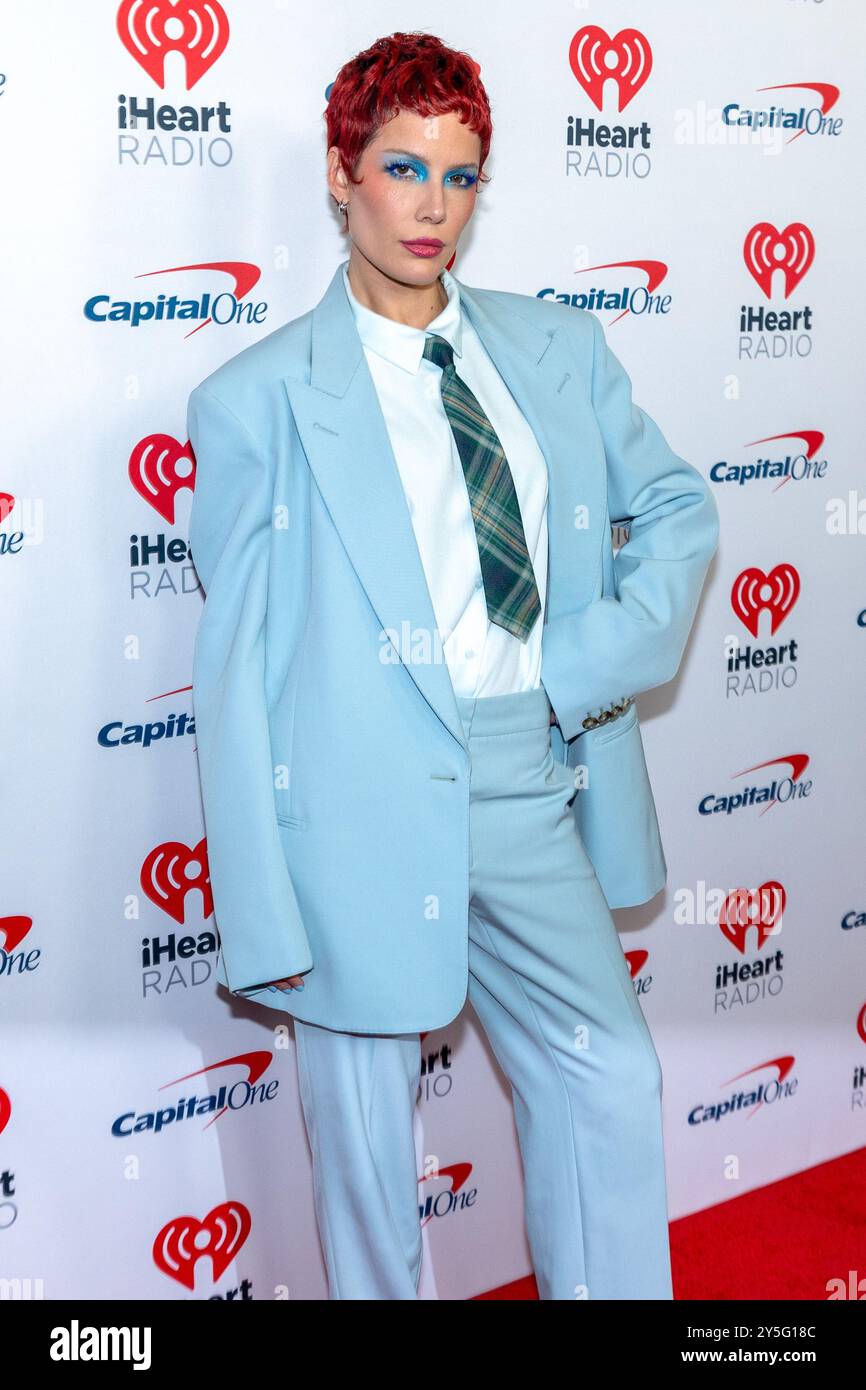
pixel 333 756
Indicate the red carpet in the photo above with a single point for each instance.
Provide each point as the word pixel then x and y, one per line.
pixel 778 1242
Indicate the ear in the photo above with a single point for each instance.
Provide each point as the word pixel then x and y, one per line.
pixel 338 184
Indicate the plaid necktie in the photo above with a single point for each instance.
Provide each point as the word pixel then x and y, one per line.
pixel 509 580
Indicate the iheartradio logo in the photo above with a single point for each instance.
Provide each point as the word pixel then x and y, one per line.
pixel 754 592
pixel 159 467
pixel 172 959
pixel 597 148
pixel 185 1240
pixel 596 58
pixel 152 29
pixel 766 250
pixel 752 669
pixel 172 870
pixel 767 333
pixel 752 910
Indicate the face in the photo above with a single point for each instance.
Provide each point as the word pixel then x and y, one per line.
pixel 420 182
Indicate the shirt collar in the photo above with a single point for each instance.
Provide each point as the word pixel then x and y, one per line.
pixel 399 342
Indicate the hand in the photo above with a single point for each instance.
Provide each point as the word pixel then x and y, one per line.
pixel 293 980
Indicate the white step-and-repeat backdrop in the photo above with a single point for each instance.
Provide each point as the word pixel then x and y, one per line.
pixel 164 207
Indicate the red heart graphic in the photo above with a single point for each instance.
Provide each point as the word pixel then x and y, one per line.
pixel 595 57
pixel 749 596
pixel 183 1241
pixel 159 466
pixel 150 29
pixel 765 249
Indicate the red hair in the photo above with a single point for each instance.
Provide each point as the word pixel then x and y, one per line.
pixel 412 72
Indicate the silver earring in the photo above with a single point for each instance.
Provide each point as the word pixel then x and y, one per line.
pixel 342 207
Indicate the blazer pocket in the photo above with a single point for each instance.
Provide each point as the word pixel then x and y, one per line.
pixel 617 727
pixel 293 822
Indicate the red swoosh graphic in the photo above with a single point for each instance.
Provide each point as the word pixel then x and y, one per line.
pixel 244 274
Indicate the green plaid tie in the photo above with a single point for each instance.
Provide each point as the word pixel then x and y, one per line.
pixel 509 580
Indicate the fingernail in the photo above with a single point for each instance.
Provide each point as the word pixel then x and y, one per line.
pixel 300 986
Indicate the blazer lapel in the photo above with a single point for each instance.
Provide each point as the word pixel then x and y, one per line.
pixel 345 438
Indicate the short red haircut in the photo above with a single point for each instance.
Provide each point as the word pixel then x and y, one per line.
pixel 413 72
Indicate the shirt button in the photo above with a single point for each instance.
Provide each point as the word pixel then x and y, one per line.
pixel 469 653
pixel 479 583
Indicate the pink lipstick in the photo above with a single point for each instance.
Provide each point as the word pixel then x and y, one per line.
pixel 424 246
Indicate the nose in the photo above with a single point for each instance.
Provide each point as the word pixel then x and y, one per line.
pixel 431 206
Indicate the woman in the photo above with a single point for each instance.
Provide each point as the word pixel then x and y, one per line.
pixel 415 631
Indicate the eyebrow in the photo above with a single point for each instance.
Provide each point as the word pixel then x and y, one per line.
pixel 409 154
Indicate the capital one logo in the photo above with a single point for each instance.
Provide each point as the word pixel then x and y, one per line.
pixel 746 909
pixel 596 58
pixel 754 592
pixel 766 250
pixel 13 931
pixel 151 29
pixel 636 960
pixel 171 870
pixel 448 1199
pixel 159 467
pixel 185 1240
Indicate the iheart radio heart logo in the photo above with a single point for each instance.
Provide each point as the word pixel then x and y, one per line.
pixel 774 257
pixel 748 917
pixel 758 911
pixel 756 670
pixel 159 467
pixel 185 1240
pixel 178 960
pixel 172 870
pixel 152 29
pixel 598 61
pixel 161 565
pixel 626 60
pixel 755 592
pixel 765 250
pixel 180 39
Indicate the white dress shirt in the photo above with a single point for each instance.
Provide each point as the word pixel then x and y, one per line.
pixel 482 657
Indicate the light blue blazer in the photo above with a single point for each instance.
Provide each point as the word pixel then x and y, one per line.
pixel 333 764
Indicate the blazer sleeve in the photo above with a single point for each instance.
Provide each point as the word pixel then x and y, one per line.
pixel 633 640
pixel 257 914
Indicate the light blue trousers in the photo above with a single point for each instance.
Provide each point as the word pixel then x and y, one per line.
pixel 551 987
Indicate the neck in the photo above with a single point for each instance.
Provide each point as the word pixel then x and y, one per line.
pixel 414 305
